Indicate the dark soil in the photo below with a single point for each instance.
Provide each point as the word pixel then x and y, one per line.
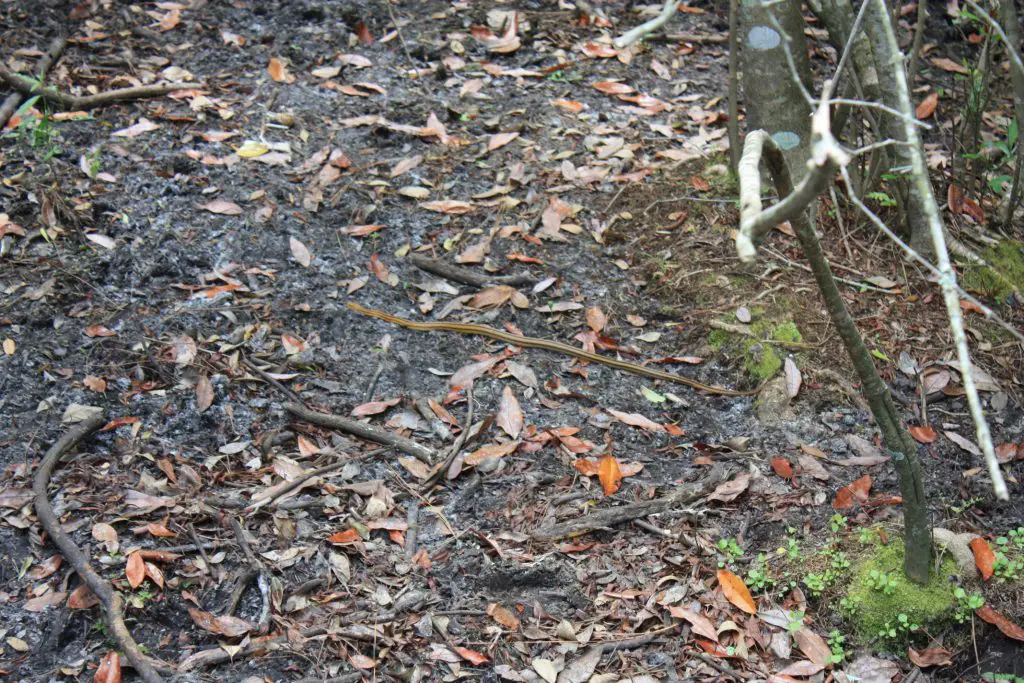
pixel 103 327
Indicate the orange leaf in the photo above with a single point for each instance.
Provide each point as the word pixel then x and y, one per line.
pixel 857 491
pixel 135 569
pixel 927 106
pixel 782 467
pixel 736 591
pixel 983 557
pixel 363 33
pixel 82 598
pixel 109 670
pixel 472 656
pixel 159 530
pixel 587 466
pixel 344 537
pixel 1009 629
pixel 923 434
pixel 609 474
pixel 613 88
pixel 502 616
pixel 276 70
pixel 569 105
pixel 933 656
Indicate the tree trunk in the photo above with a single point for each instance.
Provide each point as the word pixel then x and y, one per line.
pixel 774 98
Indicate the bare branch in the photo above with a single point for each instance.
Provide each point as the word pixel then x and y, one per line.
pixel 635 34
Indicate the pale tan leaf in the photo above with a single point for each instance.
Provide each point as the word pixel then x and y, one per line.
pixel 510 415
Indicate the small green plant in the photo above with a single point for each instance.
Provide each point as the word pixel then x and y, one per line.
pixel 730 549
pixel 757 578
pixel 837 523
pixel 1001 678
pixel 835 643
pixel 816 583
pixel 38 133
pixel 966 604
pixel 849 606
pixel 882 198
pixel 794 621
pixel 867 535
pixel 883 582
pixel 901 628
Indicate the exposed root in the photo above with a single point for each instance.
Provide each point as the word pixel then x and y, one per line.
pixel 113 606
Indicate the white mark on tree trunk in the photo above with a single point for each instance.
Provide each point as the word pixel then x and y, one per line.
pixel 763 38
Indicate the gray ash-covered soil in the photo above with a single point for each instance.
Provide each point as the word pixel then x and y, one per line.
pixel 82 315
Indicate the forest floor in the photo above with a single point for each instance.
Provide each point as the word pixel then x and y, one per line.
pixel 181 265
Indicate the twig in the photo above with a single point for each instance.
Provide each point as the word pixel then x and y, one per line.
pixel 369 432
pixel 915 48
pixel 467 276
pixel 721 667
pixel 113 608
pixel 262 575
pixel 29 88
pixel 15 99
pixel 635 34
pixel 299 481
pixel 412 516
pixel 266 377
pixel 682 495
pixel 453 452
pixel 199 546
pixel 704 38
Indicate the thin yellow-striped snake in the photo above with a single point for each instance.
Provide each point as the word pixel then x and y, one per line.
pixel 549 345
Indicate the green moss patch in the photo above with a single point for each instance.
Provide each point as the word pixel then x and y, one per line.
pixel 1007 259
pixel 928 606
pixel 761 359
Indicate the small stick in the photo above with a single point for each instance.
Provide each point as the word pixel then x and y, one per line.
pixel 601 519
pixel 113 608
pixel 262 576
pixel 29 88
pixel 306 476
pixel 265 376
pixel 15 99
pixel 412 516
pixel 453 452
pixel 721 666
pixel 365 431
pixel 467 276
pixel 199 546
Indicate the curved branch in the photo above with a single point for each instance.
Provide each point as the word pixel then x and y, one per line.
pixel 29 88
pixel 113 608
pixel 15 99
pixel 635 34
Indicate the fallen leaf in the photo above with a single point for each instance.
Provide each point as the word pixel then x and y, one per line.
pixel 510 415
pixel 222 207
pixel 857 491
pixel 82 598
pixel 609 475
pixel 225 625
pixel 923 434
pixel 93 331
pixel 730 490
pixel 963 443
pixel 793 378
pixel 596 319
pixel 1009 629
pixel 500 140
pixel 612 88
pixel 143 126
pixel 299 252
pixel 135 569
pixel 502 616
pixel 701 625
pixel 472 656
pixel 204 393
pixel 279 72
pixel 933 656
pixel 109 669
pixel 947 64
pixel 814 646
pixel 490 451
pixel 42 602
pixel 346 537
pixel 736 591
pixel 984 558
pixel 448 206
pixel 373 407
pixel 782 467
pixel 927 106
pixel 545 668
pixel 635 420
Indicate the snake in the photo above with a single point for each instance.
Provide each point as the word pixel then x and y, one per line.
pixel 548 345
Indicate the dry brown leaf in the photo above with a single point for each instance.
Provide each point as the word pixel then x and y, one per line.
pixel 1009 629
pixel 300 252
pixel 222 207
pixel 701 625
pixel 41 602
pixel 510 415
pixel 927 106
pixel 502 616
pixel 109 670
pixel 204 393
pixel 135 569
pixel 491 451
pixel 596 319
pixel 730 490
pixel 225 625
pixel 448 206
pixel 814 646
pixel 933 656
pixel 499 140
pixel 984 558
pixel 279 72
pixel 635 420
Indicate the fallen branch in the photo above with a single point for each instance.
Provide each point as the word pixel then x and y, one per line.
pixel 257 571
pixel 15 99
pixel 113 606
pixel 29 88
pixel 467 276
pixel 602 519
pixel 364 431
pixel 635 34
